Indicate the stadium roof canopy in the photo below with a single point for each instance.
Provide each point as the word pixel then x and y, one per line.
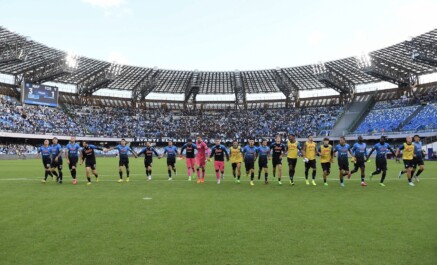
pixel 400 64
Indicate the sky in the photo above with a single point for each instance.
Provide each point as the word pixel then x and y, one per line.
pixel 218 35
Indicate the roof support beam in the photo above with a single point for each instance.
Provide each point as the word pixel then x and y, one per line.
pixel 240 91
pixel 422 51
pixel 193 88
pixel 288 87
pixel 388 71
pixel 100 79
pixel 145 86
pixel 49 70
pixel 15 51
pixel 334 79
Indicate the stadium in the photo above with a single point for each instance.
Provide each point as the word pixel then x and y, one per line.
pixel 109 209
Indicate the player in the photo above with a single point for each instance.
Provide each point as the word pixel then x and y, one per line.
pixel 263 152
pixel 342 150
pixel 293 148
pixel 148 152
pixel 236 157
pixel 172 152
pixel 123 154
pixel 407 156
pixel 89 157
pixel 278 150
pixel 417 159
pixel 72 154
pixel 219 151
pixel 381 158
pixel 326 153
pixel 189 155
pixel 309 155
pixel 56 160
pixel 46 153
pixel 202 149
pixel 250 156
pixel 359 156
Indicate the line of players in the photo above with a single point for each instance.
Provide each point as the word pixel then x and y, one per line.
pixel 197 155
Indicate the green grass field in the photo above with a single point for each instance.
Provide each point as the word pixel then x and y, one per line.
pixel 182 222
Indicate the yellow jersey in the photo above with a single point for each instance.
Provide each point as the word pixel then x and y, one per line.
pixel 235 155
pixel 408 151
pixel 310 150
pixel 325 154
pixel 293 149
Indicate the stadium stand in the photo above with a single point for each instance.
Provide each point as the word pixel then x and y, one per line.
pixel 122 122
pixel 426 119
pixel 384 119
pixel 35 119
pixel 233 113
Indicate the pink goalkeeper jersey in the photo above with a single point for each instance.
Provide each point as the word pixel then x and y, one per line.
pixel 201 150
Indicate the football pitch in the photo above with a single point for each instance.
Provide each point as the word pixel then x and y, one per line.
pixel 181 222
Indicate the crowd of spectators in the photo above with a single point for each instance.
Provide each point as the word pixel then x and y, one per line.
pixel 32 119
pixel 122 122
pixel 17 149
pixel 385 116
pixel 385 120
pixel 426 119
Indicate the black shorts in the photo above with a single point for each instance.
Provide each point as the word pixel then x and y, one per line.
pixel 381 164
pixel 418 161
pixel 171 161
pixel 249 165
pixel 147 163
pixel 310 164
pixel 91 164
pixel 57 164
pixel 292 162
pixel 46 162
pixel 73 161
pixel 234 165
pixel 123 162
pixel 326 166
pixel 262 163
pixel 343 164
pixel 276 161
pixel 360 163
pixel 408 163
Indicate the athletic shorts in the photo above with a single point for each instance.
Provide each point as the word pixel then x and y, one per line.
pixel 343 164
pixel 360 164
pixel 123 162
pixel 219 165
pixel 310 164
pixel 408 163
pixel 276 161
pixel 249 165
pixel 200 162
pixel 46 162
pixel 262 163
pixel 326 166
pixel 171 161
pixel 381 164
pixel 190 162
pixel 418 161
pixel 147 163
pixel 57 164
pixel 234 165
pixel 73 162
pixel 91 164
pixel 292 162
